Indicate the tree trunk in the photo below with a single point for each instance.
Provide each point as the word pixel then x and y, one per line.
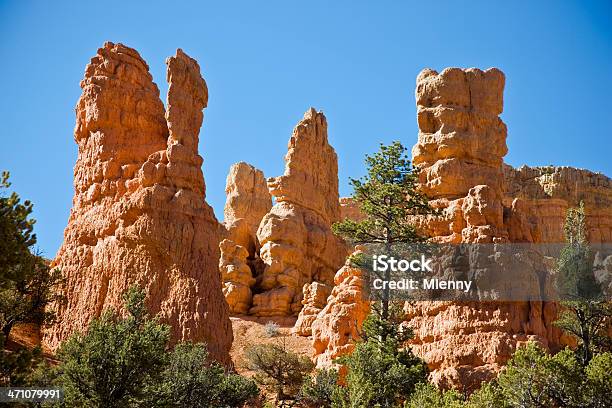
pixel 6 329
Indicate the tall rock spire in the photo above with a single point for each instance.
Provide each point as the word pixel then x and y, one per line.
pixel 297 244
pixel 139 215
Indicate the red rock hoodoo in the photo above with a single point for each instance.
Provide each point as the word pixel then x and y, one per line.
pixel 459 152
pixel 139 214
pixel 290 245
pixel 297 244
pixel 337 325
pixel 248 200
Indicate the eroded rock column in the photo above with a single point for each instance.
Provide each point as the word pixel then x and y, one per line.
pixel 139 214
pixel 248 200
pixel 336 327
pixel 460 151
pixel 297 244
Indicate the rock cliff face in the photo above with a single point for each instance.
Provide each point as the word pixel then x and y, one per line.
pixel 139 215
pixel 545 193
pixel 297 244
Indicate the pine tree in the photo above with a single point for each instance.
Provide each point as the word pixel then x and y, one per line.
pixel 26 281
pixel 387 196
pixel 586 313
pixel 382 371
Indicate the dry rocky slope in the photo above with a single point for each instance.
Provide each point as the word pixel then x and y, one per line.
pixel 139 214
pixel 460 150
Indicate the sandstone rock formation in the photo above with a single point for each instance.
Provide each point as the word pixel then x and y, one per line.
pixel 297 244
pixel 465 344
pixel 337 325
pixel 248 200
pixel 547 192
pixel 237 276
pixel 139 215
pixel 459 153
pixel 315 296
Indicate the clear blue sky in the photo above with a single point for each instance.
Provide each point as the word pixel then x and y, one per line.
pixel 266 62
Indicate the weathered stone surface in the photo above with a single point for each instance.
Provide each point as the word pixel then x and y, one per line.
pixel 337 325
pixel 139 215
pixel 460 151
pixel 237 276
pixel 465 344
pixel 547 193
pixel 315 296
pixel 311 169
pixel 247 201
pixel 461 140
pixel 297 244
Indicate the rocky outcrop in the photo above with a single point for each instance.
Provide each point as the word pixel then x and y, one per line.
pixel 545 194
pixel 248 200
pixel 337 325
pixel 297 244
pixel 314 300
pixel 465 344
pixel 237 276
pixel 315 295
pixel 460 150
pixel 459 153
pixel 139 215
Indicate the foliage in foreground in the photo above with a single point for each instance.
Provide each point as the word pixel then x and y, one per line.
pixel 125 362
pixel 26 281
pixel 277 369
pixel 26 284
pixel 188 382
pixel 320 390
pixel 533 379
pixel 587 314
pixel 16 366
pixel 381 372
